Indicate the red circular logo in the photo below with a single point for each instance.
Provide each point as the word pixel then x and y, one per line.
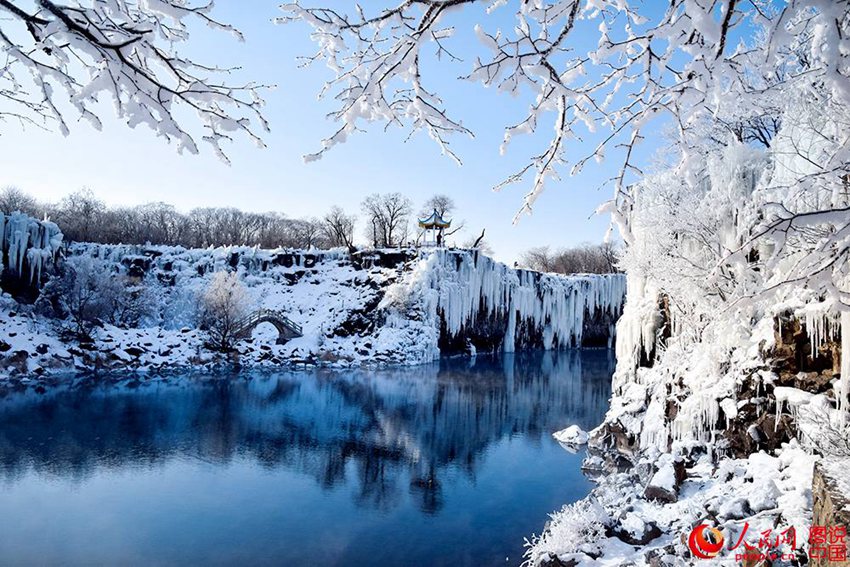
pixel 705 542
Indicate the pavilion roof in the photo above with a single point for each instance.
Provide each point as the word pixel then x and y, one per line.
pixel 436 220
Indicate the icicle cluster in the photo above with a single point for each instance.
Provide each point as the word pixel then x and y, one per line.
pixel 457 286
pixel 821 326
pixel 28 245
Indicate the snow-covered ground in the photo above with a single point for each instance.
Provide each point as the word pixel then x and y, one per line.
pixel 616 525
pixel 385 307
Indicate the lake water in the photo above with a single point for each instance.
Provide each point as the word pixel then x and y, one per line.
pixel 446 464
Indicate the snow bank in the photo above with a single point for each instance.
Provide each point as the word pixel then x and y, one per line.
pixel 767 492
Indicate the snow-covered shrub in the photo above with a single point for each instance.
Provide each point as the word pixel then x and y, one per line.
pixel 824 430
pixel 224 303
pixel 89 291
pixel 180 307
pixel 132 303
pixel 578 527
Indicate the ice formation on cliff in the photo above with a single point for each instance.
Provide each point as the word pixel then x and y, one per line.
pixel 458 286
pixel 27 242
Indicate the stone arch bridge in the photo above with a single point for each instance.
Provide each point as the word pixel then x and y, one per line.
pixel 286 328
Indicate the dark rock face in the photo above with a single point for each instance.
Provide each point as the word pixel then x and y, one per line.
pixel 487 333
pixel 554 561
pixel 757 427
pixel 659 494
pixel 361 321
pixel 599 331
pixel 663 557
pixel 137 266
pixel 650 532
pixel 383 258
pixel 134 351
pixel 793 352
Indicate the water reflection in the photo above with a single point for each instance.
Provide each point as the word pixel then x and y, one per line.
pixel 390 437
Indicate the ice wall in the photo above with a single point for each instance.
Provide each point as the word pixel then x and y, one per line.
pixel 460 289
pixel 407 305
pixel 28 246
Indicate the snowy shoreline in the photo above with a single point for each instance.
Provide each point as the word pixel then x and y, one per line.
pixel 378 308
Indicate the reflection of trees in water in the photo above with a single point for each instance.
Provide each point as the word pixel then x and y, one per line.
pixel 374 427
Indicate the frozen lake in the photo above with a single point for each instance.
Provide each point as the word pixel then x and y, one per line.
pixel 446 464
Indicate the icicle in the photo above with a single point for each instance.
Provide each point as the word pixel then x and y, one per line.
pixel 29 242
pixel 2 236
pixel 466 287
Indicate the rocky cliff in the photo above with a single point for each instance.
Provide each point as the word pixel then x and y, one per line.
pixel 382 307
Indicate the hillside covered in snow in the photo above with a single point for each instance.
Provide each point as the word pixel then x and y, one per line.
pixel 376 307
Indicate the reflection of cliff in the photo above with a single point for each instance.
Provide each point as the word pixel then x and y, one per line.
pixel 396 430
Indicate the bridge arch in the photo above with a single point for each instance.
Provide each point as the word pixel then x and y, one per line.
pixel 286 328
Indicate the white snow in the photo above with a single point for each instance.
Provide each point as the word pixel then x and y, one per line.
pixel 665 477
pixel 572 435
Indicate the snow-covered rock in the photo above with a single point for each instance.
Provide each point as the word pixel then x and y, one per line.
pixel 663 485
pixel 572 435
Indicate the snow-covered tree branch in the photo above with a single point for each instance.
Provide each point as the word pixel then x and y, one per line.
pixel 127 51
pixel 686 60
pixel 723 74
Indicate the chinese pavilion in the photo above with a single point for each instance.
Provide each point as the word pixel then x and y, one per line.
pixel 434 226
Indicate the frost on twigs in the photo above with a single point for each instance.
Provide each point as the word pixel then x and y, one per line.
pixel 127 51
pixel 376 60
pixel 577 528
pixel 606 68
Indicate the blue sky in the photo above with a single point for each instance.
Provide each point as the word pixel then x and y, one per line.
pixel 125 166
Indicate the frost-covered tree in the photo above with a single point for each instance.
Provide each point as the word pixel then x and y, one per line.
pixel 224 303
pixel 339 227
pixel 720 73
pixel 61 58
pixel 13 199
pixel 88 291
pixel 387 218
pixel 701 64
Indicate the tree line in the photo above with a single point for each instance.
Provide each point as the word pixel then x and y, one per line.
pixel 387 222
pixel 582 259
